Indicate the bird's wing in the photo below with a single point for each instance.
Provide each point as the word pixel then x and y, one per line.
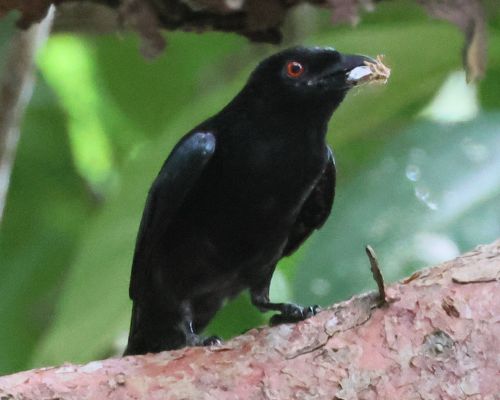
pixel 316 208
pixel 175 180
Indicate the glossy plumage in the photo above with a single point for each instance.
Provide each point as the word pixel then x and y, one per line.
pixel 239 192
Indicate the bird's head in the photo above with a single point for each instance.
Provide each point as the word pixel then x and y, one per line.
pixel 304 75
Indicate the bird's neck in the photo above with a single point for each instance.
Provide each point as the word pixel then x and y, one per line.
pixel 283 115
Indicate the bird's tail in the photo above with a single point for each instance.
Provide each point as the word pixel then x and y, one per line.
pixel 153 330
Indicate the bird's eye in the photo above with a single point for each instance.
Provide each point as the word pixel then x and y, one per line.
pixel 294 69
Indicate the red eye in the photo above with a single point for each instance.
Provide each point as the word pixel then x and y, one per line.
pixel 294 69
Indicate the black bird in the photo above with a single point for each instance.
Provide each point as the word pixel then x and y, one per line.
pixel 239 192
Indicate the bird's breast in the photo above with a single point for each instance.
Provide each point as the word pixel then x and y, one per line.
pixel 247 202
pixel 266 181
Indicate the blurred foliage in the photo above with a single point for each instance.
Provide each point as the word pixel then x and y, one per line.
pixel 103 120
pixel 6 31
pixel 412 216
pixel 46 210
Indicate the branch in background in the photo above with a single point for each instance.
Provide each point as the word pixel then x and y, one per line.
pixel 258 20
pixel 15 91
pixel 439 337
pixel 469 16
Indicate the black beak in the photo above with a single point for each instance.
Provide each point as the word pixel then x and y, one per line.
pixel 350 70
pixel 341 75
pixel 351 61
pixel 355 69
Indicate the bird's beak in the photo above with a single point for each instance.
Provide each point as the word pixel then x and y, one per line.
pixel 360 69
pixel 351 61
pixel 347 71
pixel 352 70
pixel 356 68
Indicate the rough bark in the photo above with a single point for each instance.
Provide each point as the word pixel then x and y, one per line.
pixel 437 337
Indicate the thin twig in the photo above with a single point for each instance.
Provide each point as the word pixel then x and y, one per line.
pixel 377 275
pixel 16 87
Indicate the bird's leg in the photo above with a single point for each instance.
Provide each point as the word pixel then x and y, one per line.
pixel 289 312
pixel 192 338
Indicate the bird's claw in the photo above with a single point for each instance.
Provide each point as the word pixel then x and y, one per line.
pixel 212 341
pixel 312 310
pixel 294 313
pixel 198 340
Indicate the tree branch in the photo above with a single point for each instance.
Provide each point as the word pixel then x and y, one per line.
pixel 258 20
pixel 15 91
pixel 438 337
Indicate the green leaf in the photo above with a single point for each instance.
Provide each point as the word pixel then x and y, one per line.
pixel 490 85
pixel 46 208
pixel 152 93
pixel 432 192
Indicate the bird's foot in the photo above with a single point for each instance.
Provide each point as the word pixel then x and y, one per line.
pixel 198 340
pixel 193 339
pixel 290 312
pixel 212 341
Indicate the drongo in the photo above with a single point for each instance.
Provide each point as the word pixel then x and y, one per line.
pixel 238 192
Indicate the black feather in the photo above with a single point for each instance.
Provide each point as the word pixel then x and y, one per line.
pixel 239 192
